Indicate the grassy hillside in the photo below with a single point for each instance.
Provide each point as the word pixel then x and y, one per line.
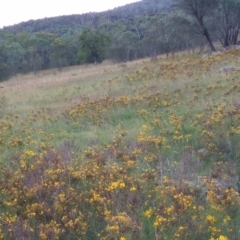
pixel 142 150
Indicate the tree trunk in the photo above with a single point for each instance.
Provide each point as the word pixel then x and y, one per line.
pixel 206 34
pixel 231 37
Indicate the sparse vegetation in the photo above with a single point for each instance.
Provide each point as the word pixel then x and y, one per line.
pixel 145 151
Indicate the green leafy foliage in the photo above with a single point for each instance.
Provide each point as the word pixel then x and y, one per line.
pixel 93 46
pixel 138 30
pixel 15 56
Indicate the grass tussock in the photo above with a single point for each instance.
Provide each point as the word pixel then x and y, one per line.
pixel 148 150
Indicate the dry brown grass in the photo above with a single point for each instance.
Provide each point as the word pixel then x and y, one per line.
pixel 58 90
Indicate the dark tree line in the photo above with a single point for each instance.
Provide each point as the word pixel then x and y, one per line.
pixel 142 29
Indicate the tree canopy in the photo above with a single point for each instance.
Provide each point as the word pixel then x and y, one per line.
pixel 93 45
pixel 138 30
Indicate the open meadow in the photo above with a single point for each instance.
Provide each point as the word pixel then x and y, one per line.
pixel 141 150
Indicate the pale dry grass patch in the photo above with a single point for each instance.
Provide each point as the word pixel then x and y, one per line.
pixel 45 85
pixel 72 85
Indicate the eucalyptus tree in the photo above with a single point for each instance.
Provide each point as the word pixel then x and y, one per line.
pixel 42 44
pixel 94 44
pixel 33 59
pixel 3 65
pixel 15 57
pixel 228 21
pixel 152 36
pixel 201 16
pixel 58 54
pixel 71 41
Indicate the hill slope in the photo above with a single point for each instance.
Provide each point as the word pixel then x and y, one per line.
pixel 143 150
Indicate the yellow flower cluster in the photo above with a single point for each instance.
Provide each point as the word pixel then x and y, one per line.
pixel 131 163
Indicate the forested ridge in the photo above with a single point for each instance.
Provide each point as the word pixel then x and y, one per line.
pixel 71 23
pixel 142 29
